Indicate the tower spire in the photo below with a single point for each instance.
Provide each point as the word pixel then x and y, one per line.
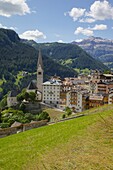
pixel 40 72
pixel 40 63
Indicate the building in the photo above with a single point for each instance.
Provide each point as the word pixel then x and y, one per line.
pixel 106 77
pixel 40 73
pixel 36 86
pixel 110 97
pixel 75 98
pixel 32 87
pixel 51 92
pixel 96 100
pixel 12 98
pixel 103 87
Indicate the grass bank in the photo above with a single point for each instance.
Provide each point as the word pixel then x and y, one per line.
pixel 82 143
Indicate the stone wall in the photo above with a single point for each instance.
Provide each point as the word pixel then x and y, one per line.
pixel 36 107
pixel 29 126
pixel 13 130
pixel 33 108
pixel 9 131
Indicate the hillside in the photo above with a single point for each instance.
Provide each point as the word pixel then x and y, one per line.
pixel 69 55
pixel 99 48
pixel 16 56
pixel 82 143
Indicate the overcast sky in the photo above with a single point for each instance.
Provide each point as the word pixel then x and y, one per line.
pixel 58 20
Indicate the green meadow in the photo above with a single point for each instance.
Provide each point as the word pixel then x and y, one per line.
pixel 84 143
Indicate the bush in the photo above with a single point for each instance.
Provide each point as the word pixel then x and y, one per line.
pixel 32 96
pixel 4 125
pixel 63 116
pixel 44 116
pixel 68 111
pixel 11 121
pixel 30 116
pixel 3 102
pixel 22 107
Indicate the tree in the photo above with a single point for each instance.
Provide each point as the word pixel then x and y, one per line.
pixel 44 116
pixel 68 111
pixel 20 97
pixel 32 96
pixel 0 117
pixel 22 107
pixel 26 96
pixel 23 95
pixel 63 116
pixel 3 102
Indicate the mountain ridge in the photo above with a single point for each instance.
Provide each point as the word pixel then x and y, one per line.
pixel 17 56
pixel 69 55
pixel 99 48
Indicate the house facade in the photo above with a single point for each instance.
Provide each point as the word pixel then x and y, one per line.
pixel 51 92
pixel 12 99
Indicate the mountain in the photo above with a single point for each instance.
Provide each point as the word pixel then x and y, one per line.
pixel 70 55
pixel 16 56
pixel 98 48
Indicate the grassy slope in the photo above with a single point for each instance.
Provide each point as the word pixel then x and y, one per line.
pixel 83 143
pixel 54 114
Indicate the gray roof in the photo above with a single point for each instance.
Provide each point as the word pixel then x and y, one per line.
pixel 32 85
pixel 105 82
pixel 52 82
pixel 13 93
pixel 15 124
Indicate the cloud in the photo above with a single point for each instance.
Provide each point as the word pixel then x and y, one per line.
pixel 5 27
pixel 78 40
pixel 60 41
pixel 76 13
pixel 13 7
pixel 101 10
pixel 89 20
pixel 86 31
pixel 90 31
pixel 99 27
pixel 32 35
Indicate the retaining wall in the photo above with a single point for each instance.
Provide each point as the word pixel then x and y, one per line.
pixel 13 130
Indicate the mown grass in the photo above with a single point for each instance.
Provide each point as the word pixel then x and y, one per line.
pixel 82 143
pixel 54 114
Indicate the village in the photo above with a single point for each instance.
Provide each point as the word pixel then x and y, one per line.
pixel 78 93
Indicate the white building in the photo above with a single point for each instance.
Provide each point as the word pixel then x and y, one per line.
pixel 12 98
pixel 75 99
pixel 51 92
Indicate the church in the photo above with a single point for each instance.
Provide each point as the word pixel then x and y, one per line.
pixel 47 92
pixel 37 86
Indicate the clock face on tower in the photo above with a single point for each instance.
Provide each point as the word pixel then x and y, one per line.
pixel 39 73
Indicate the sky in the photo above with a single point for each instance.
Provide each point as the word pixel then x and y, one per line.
pixel 58 20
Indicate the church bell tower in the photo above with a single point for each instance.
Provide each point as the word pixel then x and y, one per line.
pixel 40 72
